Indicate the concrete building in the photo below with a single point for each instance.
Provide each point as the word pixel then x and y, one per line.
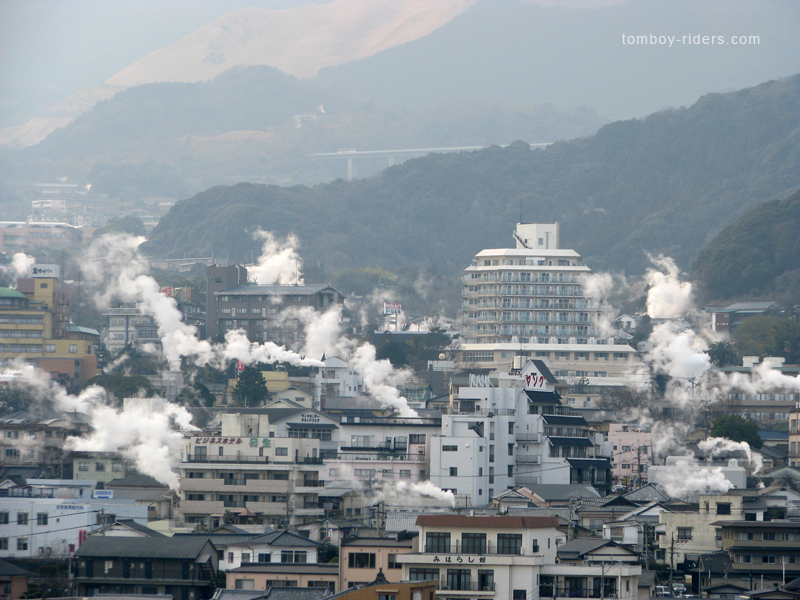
pixel 97 466
pixel 727 319
pixel 32 527
pixel 20 236
pixel 337 379
pixel 263 311
pixel 128 325
pixel 513 429
pixel 26 439
pixel 280 546
pixel 250 468
pixel 514 557
pixel 34 327
pixel 767 549
pixel 633 453
pixel 794 437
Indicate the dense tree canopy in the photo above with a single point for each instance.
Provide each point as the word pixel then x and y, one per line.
pixel 738 429
pixel 769 336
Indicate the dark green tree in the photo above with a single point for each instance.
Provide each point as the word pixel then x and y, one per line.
pixel 128 224
pixel 723 354
pixel 251 389
pixel 123 386
pixel 769 336
pixel 738 429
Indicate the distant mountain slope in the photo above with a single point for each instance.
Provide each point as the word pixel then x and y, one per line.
pixel 666 183
pixel 758 255
pixel 259 124
pixel 297 41
pixel 572 54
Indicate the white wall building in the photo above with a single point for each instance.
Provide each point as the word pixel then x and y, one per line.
pixel 530 301
pixel 633 453
pixel 36 527
pixel 337 378
pixel 513 429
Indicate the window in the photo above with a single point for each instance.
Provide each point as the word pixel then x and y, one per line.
pixel 509 543
pixel 361 560
pixel 449 448
pixel 473 543
pixel 281 451
pixel 745 558
pixel 73 348
pixel 116 467
pixel 723 508
pixel 264 557
pixel 768 536
pixel 535 547
pixel 392 562
pixel 387 596
pixel 22 518
pixel 41 519
pixel 684 533
pixel 49 347
pixel 244 584
pixel 296 556
pixel 245 557
pixel 768 560
pixel 437 542
pixel 511 449
pixel 3 518
pixel 453 471
pixel 510 470
pixel 3 543
pixel 100 467
pixel 22 543
pixel 405 473
pixel 83 466
pixel 519 595
pixel 423 574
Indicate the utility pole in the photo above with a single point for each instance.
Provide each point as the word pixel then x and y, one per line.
pixel 672 566
pixel 603 581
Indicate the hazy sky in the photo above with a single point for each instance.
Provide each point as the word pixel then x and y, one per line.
pixel 50 49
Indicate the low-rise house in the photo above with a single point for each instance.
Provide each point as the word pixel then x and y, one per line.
pixel 261 576
pixel 13 581
pixel 363 558
pixel 381 589
pixel 273 547
pixel 183 568
pixel 97 466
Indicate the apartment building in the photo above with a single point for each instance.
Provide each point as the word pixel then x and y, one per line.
pixel 383 449
pixel 27 439
pixel 128 325
pixel 263 311
pixel 633 453
pixel 767 549
pixel 250 468
pixel 513 429
pixel 34 327
pixel 20 236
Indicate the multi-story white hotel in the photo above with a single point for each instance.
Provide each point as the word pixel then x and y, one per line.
pixel 530 301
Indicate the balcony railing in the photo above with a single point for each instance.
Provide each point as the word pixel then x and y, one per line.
pixel 309 483
pixel 459 547
pixel 232 458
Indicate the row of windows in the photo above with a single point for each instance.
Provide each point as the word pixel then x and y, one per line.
pixel 767 560
pixel 100 467
pixel 22 518
pixel 34 349
pixel 21 320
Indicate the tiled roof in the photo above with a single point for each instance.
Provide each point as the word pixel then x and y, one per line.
pixel 186 548
pixel 506 521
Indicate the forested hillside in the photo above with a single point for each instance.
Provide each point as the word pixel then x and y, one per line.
pixel 759 255
pixel 667 183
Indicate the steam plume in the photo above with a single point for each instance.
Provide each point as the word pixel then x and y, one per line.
pixel 668 297
pixel 279 262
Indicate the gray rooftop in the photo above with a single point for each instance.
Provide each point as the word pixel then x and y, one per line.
pixel 183 548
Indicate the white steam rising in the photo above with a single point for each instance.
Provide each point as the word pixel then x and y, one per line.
pixel 146 430
pixel 686 477
pixel 668 296
pixel 379 377
pixel 714 447
pixel 22 263
pixel 121 273
pixel 279 262
pixel 403 493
